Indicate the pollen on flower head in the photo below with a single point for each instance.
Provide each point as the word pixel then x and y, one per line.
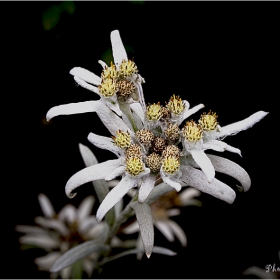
pixel 158 144
pixel 122 139
pixel 171 151
pixel 110 72
pixel 154 161
pixel 134 150
pixel 154 112
pixel 145 136
pixel 170 164
pixel 127 68
pixel 192 131
pixel 175 105
pixel 108 87
pixel 134 166
pixel 172 132
pixel 208 121
pixel 125 89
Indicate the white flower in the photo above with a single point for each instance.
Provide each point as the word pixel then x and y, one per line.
pixel 199 137
pixel 118 86
pixel 162 210
pixel 57 233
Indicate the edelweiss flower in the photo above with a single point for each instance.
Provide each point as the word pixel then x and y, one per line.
pixel 57 233
pixel 202 136
pixel 162 210
pixel 118 86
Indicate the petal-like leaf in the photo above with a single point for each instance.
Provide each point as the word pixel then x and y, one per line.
pixel 114 196
pixel 46 206
pixel 189 112
pixel 145 221
pixel 105 143
pixel 118 49
pixel 232 169
pixel 196 179
pixel 236 127
pixel 146 187
pixel 86 75
pixel 77 253
pixel 91 173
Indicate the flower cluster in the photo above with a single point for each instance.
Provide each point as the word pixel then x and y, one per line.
pixel 158 148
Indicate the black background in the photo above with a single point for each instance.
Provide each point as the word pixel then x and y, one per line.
pixel 222 54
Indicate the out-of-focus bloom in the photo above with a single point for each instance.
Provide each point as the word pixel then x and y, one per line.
pixel 57 233
pixel 162 210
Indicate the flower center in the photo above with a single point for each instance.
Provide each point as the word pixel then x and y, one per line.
pixel 110 72
pixel 192 131
pixel 175 105
pixel 134 166
pixel 154 162
pixel 134 150
pixel 172 132
pixel 154 112
pixel 158 144
pixel 145 136
pixel 128 68
pixel 108 87
pixel 125 89
pixel 122 139
pixel 171 151
pixel 170 164
pixel 208 121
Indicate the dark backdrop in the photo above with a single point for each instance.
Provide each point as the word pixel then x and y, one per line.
pixel 222 54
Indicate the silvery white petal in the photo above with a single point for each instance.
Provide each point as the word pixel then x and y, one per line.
pixel 114 196
pixel 260 272
pixel 196 179
pixel 85 75
pixel 164 251
pixel 54 224
pixel 68 213
pixel 140 94
pixel 111 120
pixel 118 49
pixel 170 182
pixel 232 169
pixel 140 175
pixel 85 85
pixel 204 163
pixel 138 110
pixel 164 228
pixel 179 233
pixel 187 195
pixel 132 228
pixel 29 229
pixel 87 155
pixel 112 104
pixel 127 116
pixel 45 262
pixel 115 173
pixel 173 212
pixel 46 206
pixel 86 224
pixel 139 245
pixel 102 63
pixel 118 208
pixel 145 220
pixel 105 143
pixel 236 127
pixel 146 187
pixel 73 108
pixel 116 242
pixel 85 207
pixel 40 240
pixel 189 112
pixel 220 146
pixel 91 173
pixel 112 183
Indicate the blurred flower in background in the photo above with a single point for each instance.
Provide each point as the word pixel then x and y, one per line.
pixel 57 233
pixel 162 210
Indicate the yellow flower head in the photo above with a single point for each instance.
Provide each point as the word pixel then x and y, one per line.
pixel 208 121
pixel 192 131
pixel 175 105
pixel 122 139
